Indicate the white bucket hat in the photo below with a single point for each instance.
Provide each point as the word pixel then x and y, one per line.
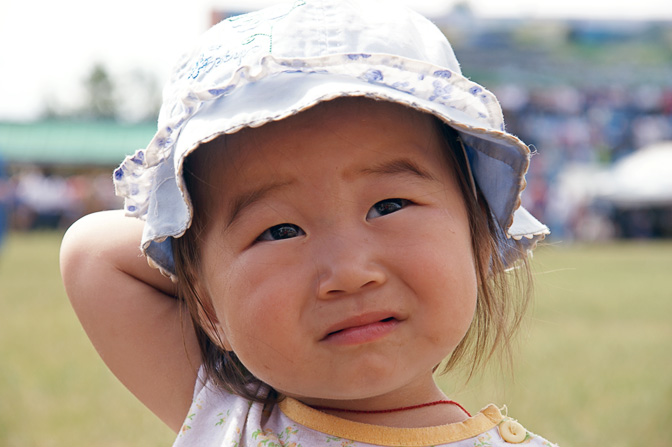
pixel 270 64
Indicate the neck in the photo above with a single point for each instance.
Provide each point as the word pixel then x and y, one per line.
pixel 427 414
pixel 395 410
pixel 391 409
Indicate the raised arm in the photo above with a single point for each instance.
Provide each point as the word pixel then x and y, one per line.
pixel 129 312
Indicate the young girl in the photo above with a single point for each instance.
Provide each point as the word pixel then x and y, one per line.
pixel 338 210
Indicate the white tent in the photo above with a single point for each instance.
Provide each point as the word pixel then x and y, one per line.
pixel 641 179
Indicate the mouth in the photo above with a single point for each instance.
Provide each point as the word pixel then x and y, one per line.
pixel 360 330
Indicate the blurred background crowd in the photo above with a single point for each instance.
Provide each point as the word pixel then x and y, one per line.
pixel 36 198
pixel 593 98
pixel 583 136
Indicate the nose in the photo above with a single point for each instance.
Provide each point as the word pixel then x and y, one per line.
pixel 347 265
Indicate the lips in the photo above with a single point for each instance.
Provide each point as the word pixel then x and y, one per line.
pixel 362 329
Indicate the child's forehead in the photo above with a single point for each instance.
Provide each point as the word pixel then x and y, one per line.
pixel 344 121
pixel 352 111
pixel 338 117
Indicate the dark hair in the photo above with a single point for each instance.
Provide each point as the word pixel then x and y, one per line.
pixel 503 295
pixel 221 366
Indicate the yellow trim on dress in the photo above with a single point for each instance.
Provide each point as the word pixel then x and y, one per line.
pixel 485 420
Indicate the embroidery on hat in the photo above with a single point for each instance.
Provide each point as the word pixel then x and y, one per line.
pixel 269 21
pixel 441 92
pixel 373 76
pixel 443 74
pixel 243 25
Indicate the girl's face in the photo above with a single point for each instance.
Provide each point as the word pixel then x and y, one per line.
pixel 337 253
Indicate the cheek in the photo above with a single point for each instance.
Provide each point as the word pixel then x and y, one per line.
pixel 443 270
pixel 454 286
pixel 257 302
pixel 441 249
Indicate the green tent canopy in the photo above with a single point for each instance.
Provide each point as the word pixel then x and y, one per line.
pixel 64 142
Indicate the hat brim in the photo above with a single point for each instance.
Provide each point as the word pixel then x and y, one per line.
pixel 281 88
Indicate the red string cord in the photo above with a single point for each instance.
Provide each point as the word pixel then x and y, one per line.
pixel 394 410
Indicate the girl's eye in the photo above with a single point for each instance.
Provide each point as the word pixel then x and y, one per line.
pixel 387 206
pixel 282 231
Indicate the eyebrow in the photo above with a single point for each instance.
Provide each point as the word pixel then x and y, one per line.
pixel 249 198
pixel 399 166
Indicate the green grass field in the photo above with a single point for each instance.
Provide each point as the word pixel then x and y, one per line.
pixel 594 365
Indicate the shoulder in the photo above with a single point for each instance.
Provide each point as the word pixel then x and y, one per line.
pixel 509 431
pixel 217 417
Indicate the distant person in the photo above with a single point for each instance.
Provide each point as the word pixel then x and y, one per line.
pixel 336 206
pixel 42 197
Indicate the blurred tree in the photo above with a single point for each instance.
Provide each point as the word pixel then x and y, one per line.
pixel 129 96
pixel 100 99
